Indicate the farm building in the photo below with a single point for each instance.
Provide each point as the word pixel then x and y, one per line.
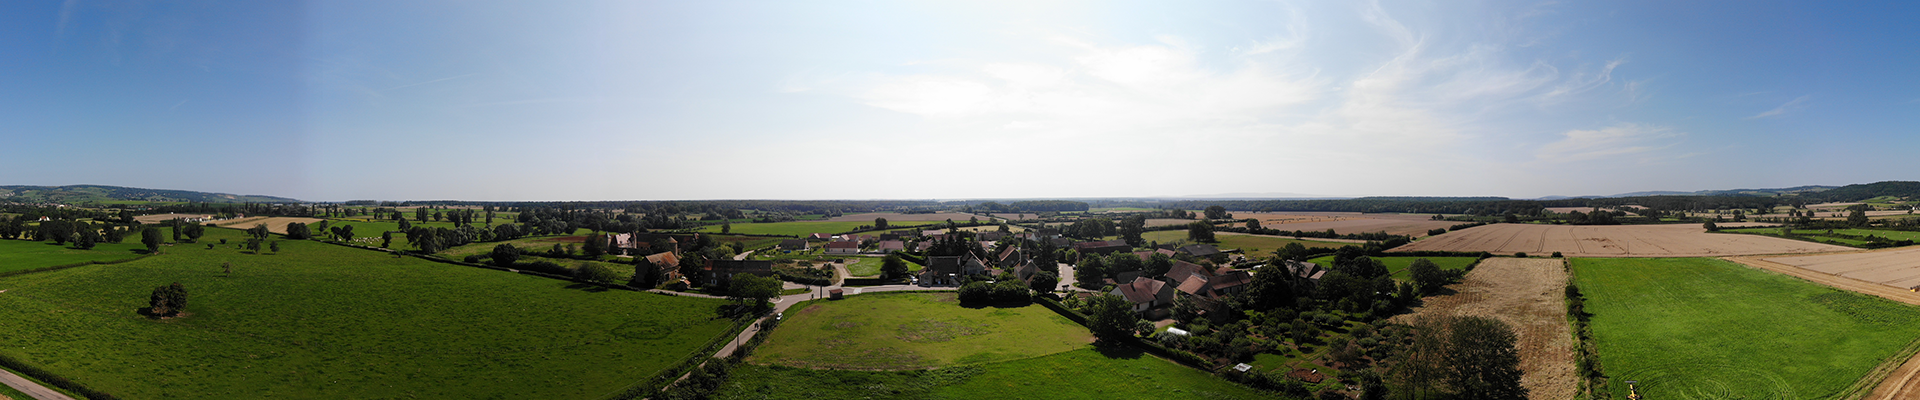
pixel 720 273
pixel 888 246
pixel 793 244
pixel 1200 250
pixel 843 248
pixel 1102 247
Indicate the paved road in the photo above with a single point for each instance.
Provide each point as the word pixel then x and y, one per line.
pixel 33 390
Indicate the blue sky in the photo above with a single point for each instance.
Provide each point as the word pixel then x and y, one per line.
pixel 585 100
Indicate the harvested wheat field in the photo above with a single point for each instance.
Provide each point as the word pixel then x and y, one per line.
pixel 274 224
pixel 163 218
pixel 1898 268
pixel 1528 294
pixel 1415 225
pixel 1613 241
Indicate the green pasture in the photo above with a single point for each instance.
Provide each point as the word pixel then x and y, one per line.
pixel 1821 235
pixel 327 321
pixel 1698 328
pixel 865 266
pixel 1086 373
pixel 1398 265
pixel 1251 245
pixel 915 330
pixel 804 228
pixel 526 245
pixel 18 255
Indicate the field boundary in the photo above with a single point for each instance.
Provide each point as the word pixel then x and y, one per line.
pixel 35 373
pixel 1881 374
pixel 65 266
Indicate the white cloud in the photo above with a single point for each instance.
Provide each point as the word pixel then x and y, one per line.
pixel 1614 141
pixel 1793 105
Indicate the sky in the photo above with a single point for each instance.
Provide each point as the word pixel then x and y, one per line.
pixel 641 100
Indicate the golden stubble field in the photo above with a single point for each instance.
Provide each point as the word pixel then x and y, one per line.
pixel 1415 225
pixel 1613 241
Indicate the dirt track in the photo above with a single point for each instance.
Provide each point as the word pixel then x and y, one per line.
pixel 1613 241
pixel 1527 294
pixel 1902 383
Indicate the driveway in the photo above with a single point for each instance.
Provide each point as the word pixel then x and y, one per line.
pixel 33 390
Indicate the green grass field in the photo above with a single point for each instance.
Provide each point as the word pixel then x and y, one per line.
pixel 1398 265
pixel 915 330
pixel 804 228
pixel 865 266
pixel 1085 373
pixel 1251 245
pixel 18 255
pixel 1710 329
pixel 1820 234
pixel 326 321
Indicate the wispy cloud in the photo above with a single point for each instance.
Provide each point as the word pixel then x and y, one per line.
pixel 1613 141
pixel 66 16
pixel 428 82
pixel 1795 105
pixel 176 106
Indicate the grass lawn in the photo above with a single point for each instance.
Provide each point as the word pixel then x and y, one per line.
pixel 915 330
pixel 1251 245
pixel 1085 373
pixel 1398 265
pixel 526 244
pixel 865 266
pixel 326 321
pixel 1706 328
pixel 804 228
pixel 17 255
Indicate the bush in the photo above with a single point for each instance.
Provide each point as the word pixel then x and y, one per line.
pixel 1557 255
pixel 1520 255
pixel 595 272
pixel 976 292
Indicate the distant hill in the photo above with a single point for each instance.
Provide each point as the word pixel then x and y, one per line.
pixel 83 194
pixel 1858 192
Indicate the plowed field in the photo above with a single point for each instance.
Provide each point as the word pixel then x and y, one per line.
pixel 1613 241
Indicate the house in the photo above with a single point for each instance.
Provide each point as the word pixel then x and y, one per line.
pixel 720 273
pixel 1148 255
pixel 1102 247
pixel 889 236
pixel 1230 282
pixel 793 244
pixel 820 236
pixel 1181 270
pixel 843 248
pixel 947 270
pixel 1060 242
pixel 889 246
pixel 932 233
pixel 991 236
pixel 1145 294
pixel 668 263
pixel 1200 250
pixel 1305 270
pixel 924 245
pixel 1010 257
pixel 1026 269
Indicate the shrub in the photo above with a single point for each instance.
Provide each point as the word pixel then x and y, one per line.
pixel 1520 255
pixel 595 272
pixel 1557 255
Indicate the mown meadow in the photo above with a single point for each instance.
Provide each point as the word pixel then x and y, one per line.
pixel 915 330
pixel 325 321
pixel 16 255
pixel 1711 329
pixel 1085 373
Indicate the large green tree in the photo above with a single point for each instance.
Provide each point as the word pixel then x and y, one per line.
pixel 1200 231
pixel 750 287
pixel 167 300
pixel 1111 318
pixel 893 267
pixel 151 238
pixel 504 255
pixel 1427 275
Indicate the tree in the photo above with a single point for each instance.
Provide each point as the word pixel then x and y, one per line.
pixel 596 245
pixel 167 300
pixel 645 274
pixel 1200 231
pixel 1158 264
pixel 151 238
pixel 747 287
pixel 1253 224
pixel 1427 275
pixel 726 227
pixel 1858 217
pixel 1121 262
pixel 893 267
pixel 1091 272
pixel 594 272
pixel 1131 229
pixel 86 239
pixel 1043 282
pixel 258 231
pixel 976 292
pixel 879 223
pixel 405 226
pixel 275 246
pixel 1217 212
pixel 1711 227
pixel 174 225
pixel 386 239
pixel 1485 364
pixel 504 255
pixel 254 245
pixel 226 266
pixel 194 231
pixel 1111 318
